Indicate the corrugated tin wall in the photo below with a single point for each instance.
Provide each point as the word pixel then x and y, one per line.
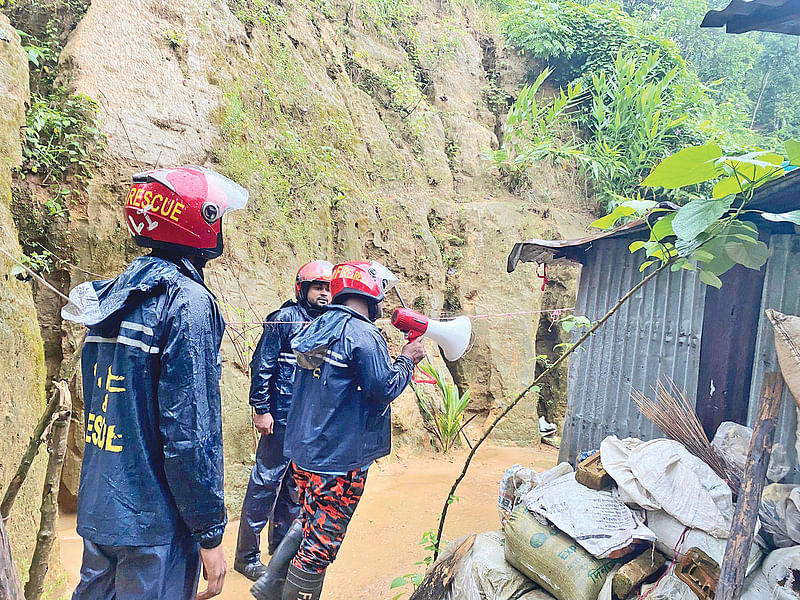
pixel 656 333
pixel 781 292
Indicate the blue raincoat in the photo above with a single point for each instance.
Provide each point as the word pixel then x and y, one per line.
pixel 340 418
pixel 273 364
pixel 271 492
pixel 153 465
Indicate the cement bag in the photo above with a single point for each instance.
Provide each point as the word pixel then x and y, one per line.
pixel 537 594
pixel 684 486
pixel 732 443
pixel 518 481
pixel 597 519
pixel 552 559
pixel 668 588
pixel 484 573
pixel 782 570
pixel 669 530
pixel 615 456
pixel 780 515
pixel 606 592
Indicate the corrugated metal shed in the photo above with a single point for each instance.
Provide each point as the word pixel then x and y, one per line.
pixel 781 292
pixel 740 16
pixel 655 334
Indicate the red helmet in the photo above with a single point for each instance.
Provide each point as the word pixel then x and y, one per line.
pixel 181 208
pixel 316 270
pixel 369 280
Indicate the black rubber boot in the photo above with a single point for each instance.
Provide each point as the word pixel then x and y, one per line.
pixel 270 584
pixel 302 585
pixel 252 570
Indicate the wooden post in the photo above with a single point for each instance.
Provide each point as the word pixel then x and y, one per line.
pixel 49 510
pixel 435 583
pixel 9 581
pixel 734 565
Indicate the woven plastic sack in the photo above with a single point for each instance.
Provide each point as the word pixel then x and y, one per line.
pixel 552 559
pixel 615 456
pixel 683 485
pixel 782 570
pixel 484 573
pixel 675 539
pixel 669 588
pixel 732 443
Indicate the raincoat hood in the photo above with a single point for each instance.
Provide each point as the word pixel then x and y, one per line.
pixel 93 302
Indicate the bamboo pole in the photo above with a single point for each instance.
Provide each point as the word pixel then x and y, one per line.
pixel 734 565
pixel 49 509
pixel 27 459
pixel 524 392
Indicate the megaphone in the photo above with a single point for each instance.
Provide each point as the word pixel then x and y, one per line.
pixel 453 335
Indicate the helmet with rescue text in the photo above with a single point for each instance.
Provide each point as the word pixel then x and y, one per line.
pixel 180 209
pixel 367 280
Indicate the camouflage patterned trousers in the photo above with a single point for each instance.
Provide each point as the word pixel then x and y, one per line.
pixel 328 503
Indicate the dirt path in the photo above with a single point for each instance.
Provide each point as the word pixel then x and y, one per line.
pixel 401 501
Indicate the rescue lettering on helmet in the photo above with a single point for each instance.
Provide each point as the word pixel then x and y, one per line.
pixel 348 272
pixel 157 204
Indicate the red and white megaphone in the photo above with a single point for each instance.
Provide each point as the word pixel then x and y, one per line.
pixel 453 335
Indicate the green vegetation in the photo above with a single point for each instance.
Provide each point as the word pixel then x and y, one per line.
pixel 713 231
pixel 62 144
pixel 629 98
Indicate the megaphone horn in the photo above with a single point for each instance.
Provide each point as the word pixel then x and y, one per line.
pixel 453 336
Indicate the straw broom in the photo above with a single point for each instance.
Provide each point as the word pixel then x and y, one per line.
pixel 673 414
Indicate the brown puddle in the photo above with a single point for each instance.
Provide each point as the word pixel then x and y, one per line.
pixel 402 500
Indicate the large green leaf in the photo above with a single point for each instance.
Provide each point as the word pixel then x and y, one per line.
pixel 725 186
pixel 709 278
pixel 788 217
pixel 754 168
pixel 752 256
pixel 687 167
pixel 793 152
pixel 663 227
pixel 693 218
pixel 609 220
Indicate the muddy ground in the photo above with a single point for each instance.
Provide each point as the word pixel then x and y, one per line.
pixel 402 500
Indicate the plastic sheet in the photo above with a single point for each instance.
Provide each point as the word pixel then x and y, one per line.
pixel 732 442
pixel 780 516
pixel 518 481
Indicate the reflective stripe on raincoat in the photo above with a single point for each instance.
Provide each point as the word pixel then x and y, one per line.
pixel 340 418
pixel 272 368
pixel 153 465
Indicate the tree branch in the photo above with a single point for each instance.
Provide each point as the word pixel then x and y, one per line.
pixel 524 392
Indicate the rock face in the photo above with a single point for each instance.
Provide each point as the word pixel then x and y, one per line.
pixel 22 370
pixel 359 135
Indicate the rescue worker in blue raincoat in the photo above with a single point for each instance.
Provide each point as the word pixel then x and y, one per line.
pixel 151 508
pixel 339 423
pixel 271 493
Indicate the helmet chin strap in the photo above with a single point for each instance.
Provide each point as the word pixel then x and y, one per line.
pixel 373 311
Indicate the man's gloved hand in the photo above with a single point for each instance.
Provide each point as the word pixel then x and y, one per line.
pixel 214 569
pixel 264 423
pixel 414 350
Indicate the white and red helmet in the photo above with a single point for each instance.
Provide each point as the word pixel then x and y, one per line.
pixel 316 270
pixel 181 209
